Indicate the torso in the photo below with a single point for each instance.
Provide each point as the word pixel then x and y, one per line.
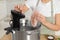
pixel 44 8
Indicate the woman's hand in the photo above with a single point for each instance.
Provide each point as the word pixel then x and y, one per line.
pixel 17 8
pixel 22 8
pixel 37 17
pixel 41 18
pixel 33 19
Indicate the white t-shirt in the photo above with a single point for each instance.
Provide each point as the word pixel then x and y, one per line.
pixel 45 9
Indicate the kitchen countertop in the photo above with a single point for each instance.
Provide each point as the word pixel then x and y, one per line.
pixel 6 37
pixel 42 37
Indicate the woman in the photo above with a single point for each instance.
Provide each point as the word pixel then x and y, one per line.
pixel 42 11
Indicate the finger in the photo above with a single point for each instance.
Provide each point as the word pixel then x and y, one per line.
pixel 35 13
pixel 33 23
pixel 33 16
pixel 39 19
pixel 22 8
pixel 38 16
pixel 41 15
pixel 32 20
pixel 16 8
pixel 19 7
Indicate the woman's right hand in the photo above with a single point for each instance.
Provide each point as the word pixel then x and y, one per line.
pixel 19 8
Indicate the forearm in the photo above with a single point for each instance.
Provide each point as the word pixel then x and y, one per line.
pixel 42 19
pixel 51 26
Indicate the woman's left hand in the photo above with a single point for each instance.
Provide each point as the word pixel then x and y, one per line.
pixel 38 16
pixel 41 18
